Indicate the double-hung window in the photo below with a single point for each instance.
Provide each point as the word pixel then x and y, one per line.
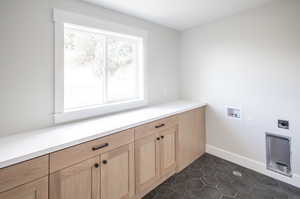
pixel 99 67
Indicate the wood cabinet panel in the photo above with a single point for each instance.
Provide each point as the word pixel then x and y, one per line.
pixel 124 165
pixel 75 154
pixel 191 137
pixel 34 190
pixel 24 172
pixel 156 126
pixel 155 159
pixel 168 152
pixel 147 162
pixel 117 173
pixel 200 129
pixel 77 182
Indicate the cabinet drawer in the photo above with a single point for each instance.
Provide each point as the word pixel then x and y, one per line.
pixel 24 172
pixel 156 126
pixel 78 153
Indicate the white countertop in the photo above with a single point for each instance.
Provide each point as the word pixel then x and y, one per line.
pixel 24 146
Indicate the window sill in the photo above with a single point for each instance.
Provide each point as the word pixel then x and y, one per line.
pixel 84 113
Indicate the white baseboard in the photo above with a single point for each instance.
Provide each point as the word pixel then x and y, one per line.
pixel 251 164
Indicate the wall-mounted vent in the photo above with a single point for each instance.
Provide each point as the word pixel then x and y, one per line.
pixel 279 154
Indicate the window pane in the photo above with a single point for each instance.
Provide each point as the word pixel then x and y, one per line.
pixel 83 68
pixel 122 70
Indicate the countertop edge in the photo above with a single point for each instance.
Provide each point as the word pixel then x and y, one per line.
pixel 22 158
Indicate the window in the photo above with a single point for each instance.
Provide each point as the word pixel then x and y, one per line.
pixel 99 67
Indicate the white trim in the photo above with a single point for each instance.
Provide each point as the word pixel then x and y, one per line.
pixel 97 111
pixel 144 70
pixel 251 164
pixel 59 68
pixel 61 18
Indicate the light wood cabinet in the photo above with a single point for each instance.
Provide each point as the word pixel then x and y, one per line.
pixel 191 137
pixel 77 182
pixel 167 146
pixel 24 172
pixel 107 176
pixel 156 126
pixel 147 162
pixel 117 173
pixel 155 159
pixel 200 130
pixel 75 154
pixel 34 190
pixel 125 165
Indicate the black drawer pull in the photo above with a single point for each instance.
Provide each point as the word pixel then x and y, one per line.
pixel 158 138
pixel 104 161
pixel 162 137
pixel 159 126
pixel 100 147
pixel 96 165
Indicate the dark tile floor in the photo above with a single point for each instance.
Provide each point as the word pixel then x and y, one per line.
pixel 210 177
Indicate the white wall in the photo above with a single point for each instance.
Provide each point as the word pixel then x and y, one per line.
pixel 26 59
pixel 252 61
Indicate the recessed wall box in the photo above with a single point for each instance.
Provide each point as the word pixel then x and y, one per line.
pixel 283 124
pixel 279 154
pixel 234 112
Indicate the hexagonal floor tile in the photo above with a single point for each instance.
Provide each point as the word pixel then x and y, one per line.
pixel 210 177
pixel 209 193
pixel 227 189
pixel 244 196
pixel 211 180
pixel 194 187
pixel 242 187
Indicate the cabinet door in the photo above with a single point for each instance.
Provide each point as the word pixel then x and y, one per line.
pixel 146 162
pixel 168 152
pixel 117 173
pixel 191 137
pixel 77 182
pixel 35 190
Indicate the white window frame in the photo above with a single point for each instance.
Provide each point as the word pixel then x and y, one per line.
pixel 62 17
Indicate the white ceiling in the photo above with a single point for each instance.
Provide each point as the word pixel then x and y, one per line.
pixel 180 14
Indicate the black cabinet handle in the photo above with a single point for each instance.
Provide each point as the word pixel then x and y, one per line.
pixel 157 138
pixel 159 126
pixel 96 165
pixel 100 147
pixel 104 161
pixel 162 137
